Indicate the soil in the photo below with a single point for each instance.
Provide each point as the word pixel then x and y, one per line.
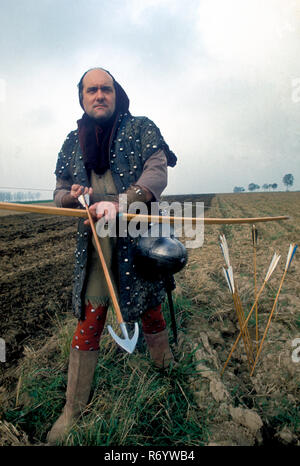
pixel 36 274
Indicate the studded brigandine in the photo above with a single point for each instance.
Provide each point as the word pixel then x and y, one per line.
pixel 134 141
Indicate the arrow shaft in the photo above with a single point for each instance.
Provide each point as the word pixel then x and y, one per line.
pixel 105 269
pixel 269 322
pixel 243 327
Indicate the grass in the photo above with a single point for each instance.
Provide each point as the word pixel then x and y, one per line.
pixel 132 402
pixel 43 387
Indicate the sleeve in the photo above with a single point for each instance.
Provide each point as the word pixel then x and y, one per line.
pixel 155 174
pixel 152 141
pixel 62 171
pixel 62 187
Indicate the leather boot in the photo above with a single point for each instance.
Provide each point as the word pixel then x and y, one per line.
pixel 158 345
pixel 81 370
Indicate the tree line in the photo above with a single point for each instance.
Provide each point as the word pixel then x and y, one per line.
pixel 8 196
pixel 288 180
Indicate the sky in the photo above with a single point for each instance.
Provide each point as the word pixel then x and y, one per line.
pixel 220 78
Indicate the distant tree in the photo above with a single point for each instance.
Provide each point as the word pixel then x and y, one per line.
pixel 253 187
pixel 274 186
pixel 238 189
pixel 265 186
pixel 288 180
pixel 6 196
pixel 19 196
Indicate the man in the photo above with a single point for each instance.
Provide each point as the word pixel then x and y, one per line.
pixel 110 154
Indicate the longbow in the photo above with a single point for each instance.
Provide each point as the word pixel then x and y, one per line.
pixel 48 210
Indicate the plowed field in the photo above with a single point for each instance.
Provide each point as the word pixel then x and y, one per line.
pixel 37 254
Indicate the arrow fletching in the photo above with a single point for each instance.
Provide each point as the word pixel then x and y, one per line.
pixel 225 250
pixel 272 266
pixel 81 200
pixel 229 278
pixel 84 199
pixel 230 272
pixel 291 253
pixel 254 235
pixel 87 198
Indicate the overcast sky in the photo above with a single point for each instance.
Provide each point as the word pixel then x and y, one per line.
pixel 221 79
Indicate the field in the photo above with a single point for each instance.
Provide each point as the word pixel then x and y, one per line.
pixel 190 405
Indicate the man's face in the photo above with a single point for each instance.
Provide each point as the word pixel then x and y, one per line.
pixel 98 95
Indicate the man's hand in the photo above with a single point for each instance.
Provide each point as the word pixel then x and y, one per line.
pixel 70 199
pixel 77 190
pixel 105 209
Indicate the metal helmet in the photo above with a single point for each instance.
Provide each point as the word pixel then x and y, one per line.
pixel 160 254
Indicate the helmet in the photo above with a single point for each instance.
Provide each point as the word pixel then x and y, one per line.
pixel 158 254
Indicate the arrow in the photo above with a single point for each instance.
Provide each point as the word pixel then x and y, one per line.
pixel 254 241
pixel 290 256
pixel 126 343
pixel 236 299
pixel 271 269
